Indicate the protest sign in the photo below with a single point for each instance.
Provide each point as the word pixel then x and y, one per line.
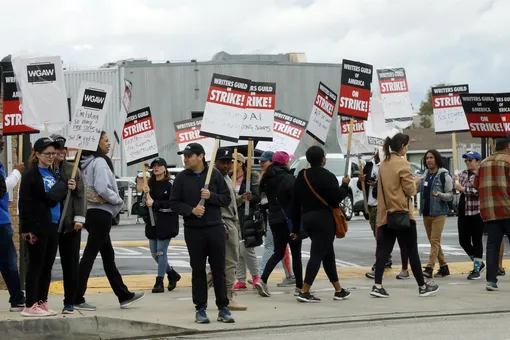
pixel 482 115
pixel 13 115
pixel 355 88
pixel 139 137
pixel 259 112
pixel 360 145
pixel 449 115
pixel 376 128
pixel 395 98
pixel 503 104
pixel 41 82
pixel 288 131
pixel 124 109
pixel 322 113
pixel 188 131
pixel 224 109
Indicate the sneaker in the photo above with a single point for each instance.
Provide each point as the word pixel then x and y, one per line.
pixel 403 275
pixel 201 316
pixel 137 297
pixel 341 295
pixel 34 311
pixel 262 288
pixel 388 264
pixel 256 280
pixel 225 316
pixel 443 271
pixel 297 291
pixel 491 287
pixel 473 275
pixel 239 286
pixel 307 297
pixel 429 289
pixel 17 307
pixel 44 306
pixel 379 292
pixel 287 282
pixel 85 306
pixel 370 275
pixel 250 281
pixel 427 272
pixel 501 271
pixel 482 267
pixel 68 309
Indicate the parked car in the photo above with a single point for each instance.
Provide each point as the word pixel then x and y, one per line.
pixel 123 185
pixel 335 163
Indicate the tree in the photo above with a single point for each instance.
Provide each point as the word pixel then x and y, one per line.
pixel 426 111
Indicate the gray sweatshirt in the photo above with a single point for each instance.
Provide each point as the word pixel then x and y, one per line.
pixel 98 175
pixel 230 212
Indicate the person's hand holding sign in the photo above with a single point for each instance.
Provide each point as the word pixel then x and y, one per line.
pixel 198 211
pixel 205 194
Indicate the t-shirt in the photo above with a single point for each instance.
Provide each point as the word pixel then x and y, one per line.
pixel 371 200
pixel 427 185
pixel 49 181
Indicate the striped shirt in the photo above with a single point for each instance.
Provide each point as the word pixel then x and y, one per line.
pixel 493 182
pixel 472 201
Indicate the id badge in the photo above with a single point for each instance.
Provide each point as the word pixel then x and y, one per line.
pixel 426 184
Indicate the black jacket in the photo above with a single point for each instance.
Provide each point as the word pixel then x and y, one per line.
pixel 367 171
pixel 167 221
pixel 35 203
pixel 277 184
pixel 254 189
pixel 325 184
pixel 185 196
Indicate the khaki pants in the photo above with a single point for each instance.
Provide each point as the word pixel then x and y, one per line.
pixel 231 253
pixel 434 227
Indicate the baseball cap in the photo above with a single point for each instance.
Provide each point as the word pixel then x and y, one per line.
pixel 192 149
pixel 59 139
pixel 160 161
pixel 43 143
pixel 224 154
pixel 281 157
pixel 472 155
pixel 266 156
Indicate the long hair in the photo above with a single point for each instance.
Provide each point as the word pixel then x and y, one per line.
pixel 263 180
pixel 33 160
pixel 153 179
pixel 437 157
pixel 99 153
pixel 394 144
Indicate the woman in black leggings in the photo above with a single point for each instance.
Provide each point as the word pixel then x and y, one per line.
pixel 277 183
pixel 318 220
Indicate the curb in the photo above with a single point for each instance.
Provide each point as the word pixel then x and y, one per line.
pixel 138 243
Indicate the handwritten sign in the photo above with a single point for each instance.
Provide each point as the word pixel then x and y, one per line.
pixel 259 112
pixel 89 116
pixel 482 114
pixel 395 98
pixel 139 137
pixel 188 131
pixel 224 109
pixel 322 113
pixel 449 115
pixel 288 131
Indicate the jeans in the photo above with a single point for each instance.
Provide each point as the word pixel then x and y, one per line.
pixel 269 250
pixel 495 231
pixel 9 265
pixel 159 250
pixel 69 248
pixel 471 235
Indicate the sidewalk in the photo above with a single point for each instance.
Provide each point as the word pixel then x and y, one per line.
pixel 172 313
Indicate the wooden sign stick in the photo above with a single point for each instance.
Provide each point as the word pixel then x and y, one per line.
pixel 210 170
pixel 148 195
pixel 349 145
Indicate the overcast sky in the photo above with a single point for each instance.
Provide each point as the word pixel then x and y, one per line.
pixel 454 41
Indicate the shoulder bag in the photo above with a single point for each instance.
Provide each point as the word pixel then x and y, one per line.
pixel 397 220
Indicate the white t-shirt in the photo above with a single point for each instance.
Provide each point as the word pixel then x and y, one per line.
pixel 375 172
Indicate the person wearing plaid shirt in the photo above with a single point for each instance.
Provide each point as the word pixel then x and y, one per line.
pixel 492 183
pixel 470 223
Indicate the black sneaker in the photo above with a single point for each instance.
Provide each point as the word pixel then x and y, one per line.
pixel 379 292
pixel 427 272
pixel 443 271
pixel 430 288
pixel 491 287
pixel 474 275
pixel 482 267
pixel 341 295
pixel 501 271
pixel 388 264
pixel 307 297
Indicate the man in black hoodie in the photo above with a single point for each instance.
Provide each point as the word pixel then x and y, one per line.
pixel 203 228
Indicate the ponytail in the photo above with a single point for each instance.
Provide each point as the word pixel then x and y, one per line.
pixel 33 159
pixel 386 148
pixel 394 144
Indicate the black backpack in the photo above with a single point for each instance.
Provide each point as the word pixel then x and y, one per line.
pixel 442 178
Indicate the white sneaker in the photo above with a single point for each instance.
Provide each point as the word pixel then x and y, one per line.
pixel 44 307
pixel 34 311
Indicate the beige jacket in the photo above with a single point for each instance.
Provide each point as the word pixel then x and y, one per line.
pixel 399 186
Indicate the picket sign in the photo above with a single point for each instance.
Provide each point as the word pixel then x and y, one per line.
pixel 188 131
pixel 124 109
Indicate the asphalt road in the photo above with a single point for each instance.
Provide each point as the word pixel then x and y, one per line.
pixel 356 250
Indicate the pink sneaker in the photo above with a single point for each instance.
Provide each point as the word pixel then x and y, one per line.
pixel 44 307
pixel 256 280
pixel 239 286
pixel 34 311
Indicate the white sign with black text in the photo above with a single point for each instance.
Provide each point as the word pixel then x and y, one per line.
pixel 139 137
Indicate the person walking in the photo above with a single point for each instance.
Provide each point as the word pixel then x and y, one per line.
pixel 8 255
pixel 159 189
pixel 277 183
pixel 39 213
pixel 396 187
pixel 104 202
pixel 435 189
pixel 69 237
pixel 492 183
pixel 315 193
pixel 469 223
pixel 204 231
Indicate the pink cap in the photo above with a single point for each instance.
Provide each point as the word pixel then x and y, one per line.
pixel 281 157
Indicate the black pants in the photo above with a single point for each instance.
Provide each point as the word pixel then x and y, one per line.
pixel 98 224
pixel 281 237
pixel 203 243
pixel 69 249
pixel 408 240
pixel 404 252
pixel 495 232
pixel 41 256
pixel 322 235
pixel 471 235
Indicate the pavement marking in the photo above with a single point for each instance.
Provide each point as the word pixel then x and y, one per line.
pixel 136 243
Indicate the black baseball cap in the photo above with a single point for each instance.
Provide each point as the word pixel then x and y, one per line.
pixel 43 143
pixel 59 139
pixel 224 154
pixel 192 149
pixel 159 161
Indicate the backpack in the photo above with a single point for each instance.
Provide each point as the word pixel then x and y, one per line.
pixel 442 178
